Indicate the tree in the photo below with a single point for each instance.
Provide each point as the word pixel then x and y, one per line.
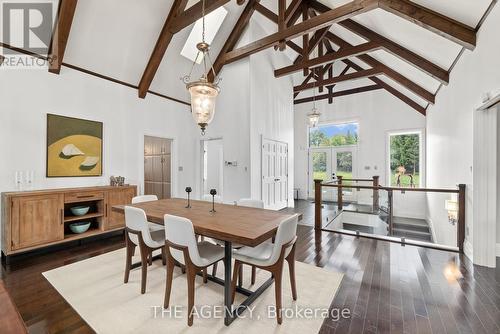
pixel 405 152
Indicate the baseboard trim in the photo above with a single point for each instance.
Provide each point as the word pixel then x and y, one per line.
pixel 498 250
pixel 468 250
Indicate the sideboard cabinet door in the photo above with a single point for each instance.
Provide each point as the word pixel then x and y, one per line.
pixel 117 197
pixel 37 220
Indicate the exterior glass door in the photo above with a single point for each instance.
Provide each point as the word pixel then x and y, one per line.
pixel 328 163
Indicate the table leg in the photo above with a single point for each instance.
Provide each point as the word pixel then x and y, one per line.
pixel 228 253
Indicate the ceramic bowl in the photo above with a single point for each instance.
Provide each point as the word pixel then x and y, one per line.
pixel 79 227
pixel 80 210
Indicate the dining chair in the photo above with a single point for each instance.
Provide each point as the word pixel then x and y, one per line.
pixel 208 198
pixel 148 198
pixel 270 257
pixel 137 233
pixel 247 202
pixel 182 246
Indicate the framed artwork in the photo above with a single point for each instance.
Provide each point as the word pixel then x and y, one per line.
pixel 74 147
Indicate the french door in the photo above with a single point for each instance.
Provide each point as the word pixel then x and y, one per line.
pixel 328 163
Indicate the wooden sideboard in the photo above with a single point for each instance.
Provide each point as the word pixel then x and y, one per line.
pixel 36 219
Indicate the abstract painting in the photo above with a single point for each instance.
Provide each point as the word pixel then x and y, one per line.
pixel 74 147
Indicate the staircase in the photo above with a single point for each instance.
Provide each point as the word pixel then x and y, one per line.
pixel 411 228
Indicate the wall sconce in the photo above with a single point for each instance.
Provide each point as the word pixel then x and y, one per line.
pixel 452 208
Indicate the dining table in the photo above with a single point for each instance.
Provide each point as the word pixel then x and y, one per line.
pixel 245 226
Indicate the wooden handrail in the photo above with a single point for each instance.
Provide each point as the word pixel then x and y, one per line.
pixel 435 190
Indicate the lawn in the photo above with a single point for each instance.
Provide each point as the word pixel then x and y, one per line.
pixel 405 180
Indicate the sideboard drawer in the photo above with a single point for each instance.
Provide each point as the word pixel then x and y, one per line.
pixel 83 196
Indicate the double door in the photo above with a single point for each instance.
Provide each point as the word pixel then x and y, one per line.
pixel 327 164
pixel 157 166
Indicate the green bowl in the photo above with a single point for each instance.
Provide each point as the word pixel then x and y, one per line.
pixel 80 210
pixel 79 227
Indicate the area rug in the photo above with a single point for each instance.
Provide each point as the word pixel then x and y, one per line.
pixel 95 289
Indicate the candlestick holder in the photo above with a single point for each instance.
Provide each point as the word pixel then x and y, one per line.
pixel 213 192
pixel 188 190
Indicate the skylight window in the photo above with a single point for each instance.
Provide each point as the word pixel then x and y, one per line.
pixel 213 22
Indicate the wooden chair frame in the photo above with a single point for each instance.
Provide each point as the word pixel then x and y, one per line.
pixel 146 256
pixel 277 271
pixel 191 270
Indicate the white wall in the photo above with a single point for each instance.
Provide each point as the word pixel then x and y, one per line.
pixel 271 112
pixel 449 124
pixel 377 114
pixel 28 95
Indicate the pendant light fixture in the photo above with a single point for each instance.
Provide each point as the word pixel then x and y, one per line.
pixel 203 93
pixel 313 116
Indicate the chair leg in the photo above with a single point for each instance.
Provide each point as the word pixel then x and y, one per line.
pixel 168 284
pixel 291 268
pixel 240 277
pixel 163 256
pixel 214 269
pixel 150 258
pixel 128 261
pixel 191 275
pixel 254 274
pixel 144 266
pixel 205 275
pixel 278 273
pixel 236 270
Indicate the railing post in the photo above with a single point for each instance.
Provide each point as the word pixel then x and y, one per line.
pixel 461 218
pixel 317 204
pixel 340 203
pixel 390 213
pixel 376 180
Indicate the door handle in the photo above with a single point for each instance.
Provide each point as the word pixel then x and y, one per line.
pixel 62 216
pixel 276 180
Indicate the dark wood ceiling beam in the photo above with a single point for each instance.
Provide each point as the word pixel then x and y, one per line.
pixel 193 13
pixel 399 78
pixel 402 53
pixel 338 94
pixel 290 11
pixel 281 22
pixel 160 48
pixel 342 53
pixel 389 88
pixel 235 35
pixel 430 20
pixel 294 47
pixel 338 14
pixel 266 13
pixel 62 28
pixel 341 78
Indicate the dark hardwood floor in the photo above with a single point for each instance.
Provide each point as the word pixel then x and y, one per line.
pixel 387 287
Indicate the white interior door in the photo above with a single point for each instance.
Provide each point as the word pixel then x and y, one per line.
pixel 274 174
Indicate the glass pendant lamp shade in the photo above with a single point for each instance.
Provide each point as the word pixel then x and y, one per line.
pixel 313 118
pixel 203 96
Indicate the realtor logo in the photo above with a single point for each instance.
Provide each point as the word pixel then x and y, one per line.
pixel 27 25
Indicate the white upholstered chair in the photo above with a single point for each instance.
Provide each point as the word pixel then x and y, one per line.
pixel 247 202
pixel 137 233
pixel 271 256
pixel 208 198
pixel 253 203
pixel 183 247
pixel 148 198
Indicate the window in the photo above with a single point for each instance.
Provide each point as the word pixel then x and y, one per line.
pixel 334 135
pixel 405 159
pixel 213 22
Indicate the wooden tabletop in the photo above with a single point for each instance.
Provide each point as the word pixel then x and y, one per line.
pixel 238 224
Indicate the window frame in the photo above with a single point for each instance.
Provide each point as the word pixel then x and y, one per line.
pixel 422 154
pixel 340 122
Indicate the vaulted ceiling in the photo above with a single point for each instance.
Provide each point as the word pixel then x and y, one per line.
pixel 336 47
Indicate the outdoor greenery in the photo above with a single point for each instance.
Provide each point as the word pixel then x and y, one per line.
pixel 319 139
pixel 405 159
